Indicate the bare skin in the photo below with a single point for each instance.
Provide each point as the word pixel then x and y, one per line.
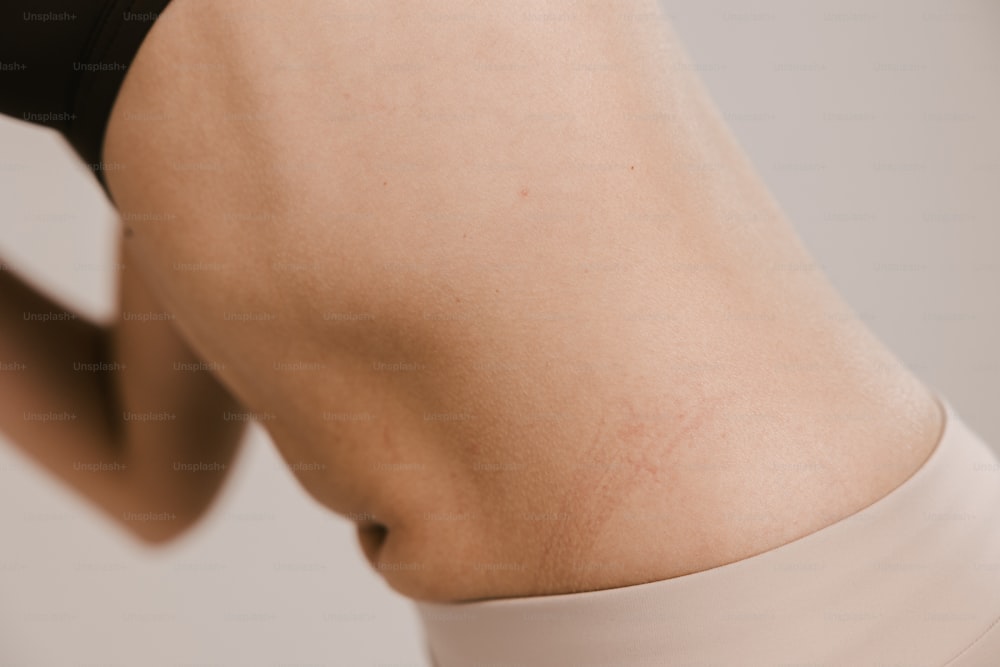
pixel 503 287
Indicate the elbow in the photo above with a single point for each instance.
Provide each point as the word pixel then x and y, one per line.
pixel 157 511
pixel 159 528
pixel 158 515
pixel 158 536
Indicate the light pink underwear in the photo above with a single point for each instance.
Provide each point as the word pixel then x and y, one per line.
pixel 912 580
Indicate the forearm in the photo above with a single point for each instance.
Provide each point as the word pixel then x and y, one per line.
pixel 109 416
pixel 55 411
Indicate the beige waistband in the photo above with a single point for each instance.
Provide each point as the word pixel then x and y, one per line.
pixel 911 580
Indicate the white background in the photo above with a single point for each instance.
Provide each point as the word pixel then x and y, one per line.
pixel 875 123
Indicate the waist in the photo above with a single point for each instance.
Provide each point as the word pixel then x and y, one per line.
pixel 910 579
pixel 502 503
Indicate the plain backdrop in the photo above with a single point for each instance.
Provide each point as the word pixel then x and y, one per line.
pixel 874 122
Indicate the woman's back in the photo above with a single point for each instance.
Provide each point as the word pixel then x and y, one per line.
pixel 503 284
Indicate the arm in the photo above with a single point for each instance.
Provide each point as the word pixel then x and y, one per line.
pixel 120 437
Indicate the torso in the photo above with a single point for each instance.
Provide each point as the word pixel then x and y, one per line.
pixel 552 340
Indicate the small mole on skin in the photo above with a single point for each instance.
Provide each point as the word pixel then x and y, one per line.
pixel 457 300
pixel 128 232
pixel 524 192
pixel 385 182
pixel 632 167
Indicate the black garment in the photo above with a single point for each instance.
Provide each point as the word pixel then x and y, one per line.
pixel 62 63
